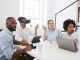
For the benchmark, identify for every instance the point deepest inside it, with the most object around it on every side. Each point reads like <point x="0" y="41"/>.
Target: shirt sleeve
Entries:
<point x="59" y="33"/>
<point x="7" y="46"/>
<point x="31" y="32"/>
<point x="17" y="36"/>
<point x="78" y="36"/>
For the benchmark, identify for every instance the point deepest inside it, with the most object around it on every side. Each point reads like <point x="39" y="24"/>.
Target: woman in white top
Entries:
<point x="69" y="26"/>
<point x="24" y="33"/>
<point x="52" y="32"/>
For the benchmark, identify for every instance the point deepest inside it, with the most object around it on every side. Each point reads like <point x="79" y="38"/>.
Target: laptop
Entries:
<point x="36" y="39"/>
<point x="67" y="44"/>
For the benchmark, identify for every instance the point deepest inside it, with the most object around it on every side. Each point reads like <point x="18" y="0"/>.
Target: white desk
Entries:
<point x="52" y="52"/>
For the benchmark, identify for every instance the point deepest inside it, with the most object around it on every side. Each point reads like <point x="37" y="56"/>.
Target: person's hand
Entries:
<point x="44" y="27"/>
<point x="24" y="42"/>
<point x="28" y="48"/>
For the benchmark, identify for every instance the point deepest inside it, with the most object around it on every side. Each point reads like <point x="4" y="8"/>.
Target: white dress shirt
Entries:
<point x="25" y="33"/>
<point x="6" y="44"/>
<point x="74" y="35"/>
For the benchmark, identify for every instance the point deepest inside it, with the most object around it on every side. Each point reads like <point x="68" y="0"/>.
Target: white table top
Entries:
<point x="47" y="51"/>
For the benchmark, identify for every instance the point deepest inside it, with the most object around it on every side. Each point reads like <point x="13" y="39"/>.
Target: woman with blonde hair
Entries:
<point x="52" y="32"/>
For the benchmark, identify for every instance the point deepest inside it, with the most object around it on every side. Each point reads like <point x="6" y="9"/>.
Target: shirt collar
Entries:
<point x="51" y="31"/>
<point x="71" y="34"/>
<point x="8" y="31"/>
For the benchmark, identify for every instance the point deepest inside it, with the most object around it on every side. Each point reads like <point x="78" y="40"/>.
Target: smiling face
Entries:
<point x="70" y="28"/>
<point x="23" y="24"/>
<point x="50" y="24"/>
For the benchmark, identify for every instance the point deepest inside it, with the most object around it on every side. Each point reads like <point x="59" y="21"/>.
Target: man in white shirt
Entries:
<point x="24" y="33"/>
<point x="7" y="41"/>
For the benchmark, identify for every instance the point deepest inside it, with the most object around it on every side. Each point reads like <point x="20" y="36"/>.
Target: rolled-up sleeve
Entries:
<point x="7" y="46"/>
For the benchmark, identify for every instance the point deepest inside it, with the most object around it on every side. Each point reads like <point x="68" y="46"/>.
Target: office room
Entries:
<point x="39" y="30"/>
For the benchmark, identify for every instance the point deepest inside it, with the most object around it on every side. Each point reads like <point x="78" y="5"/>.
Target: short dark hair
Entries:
<point x="9" y="18"/>
<point x="67" y="22"/>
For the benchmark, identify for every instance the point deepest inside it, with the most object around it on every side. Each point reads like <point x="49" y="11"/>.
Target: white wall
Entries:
<point x="11" y="8"/>
<point x="56" y="5"/>
<point x="8" y="8"/>
<point x="50" y="9"/>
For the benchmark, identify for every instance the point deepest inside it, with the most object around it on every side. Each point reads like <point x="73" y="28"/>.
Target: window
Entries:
<point x="33" y="10"/>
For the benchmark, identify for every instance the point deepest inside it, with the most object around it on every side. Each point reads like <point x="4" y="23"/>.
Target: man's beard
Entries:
<point x="11" y="29"/>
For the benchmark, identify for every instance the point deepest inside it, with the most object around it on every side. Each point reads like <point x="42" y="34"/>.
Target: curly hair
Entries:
<point x="67" y="22"/>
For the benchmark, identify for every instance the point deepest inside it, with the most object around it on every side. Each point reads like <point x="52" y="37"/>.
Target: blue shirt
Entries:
<point x="6" y="44"/>
<point x="52" y="35"/>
